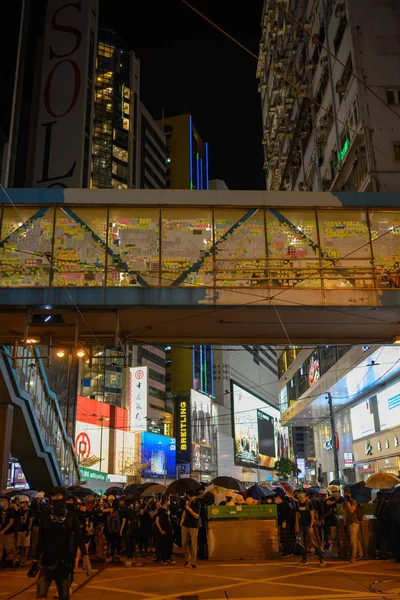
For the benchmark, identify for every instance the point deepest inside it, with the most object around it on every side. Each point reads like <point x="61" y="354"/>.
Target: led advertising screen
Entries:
<point x="389" y="406"/>
<point x="362" y="420"/>
<point x="159" y="452"/>
<point x="200" y="431"/>
<point x="256" y="430"/>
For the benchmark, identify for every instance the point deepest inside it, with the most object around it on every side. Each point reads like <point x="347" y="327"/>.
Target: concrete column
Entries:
<point x="6" y="425"/>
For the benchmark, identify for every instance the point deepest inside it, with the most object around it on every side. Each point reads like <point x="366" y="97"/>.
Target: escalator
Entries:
<point x="38" y="437"/>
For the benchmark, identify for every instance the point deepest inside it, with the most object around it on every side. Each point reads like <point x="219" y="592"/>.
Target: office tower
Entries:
<point x="128" y="146"/>
<point x="305" y="147"/>
<point x="187" y="154"/>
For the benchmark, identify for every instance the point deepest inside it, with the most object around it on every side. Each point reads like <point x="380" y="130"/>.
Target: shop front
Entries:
<point x="379" y="452"/>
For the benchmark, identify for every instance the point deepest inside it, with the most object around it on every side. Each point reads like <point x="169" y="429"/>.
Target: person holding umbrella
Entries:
<point x="190" y="528"/>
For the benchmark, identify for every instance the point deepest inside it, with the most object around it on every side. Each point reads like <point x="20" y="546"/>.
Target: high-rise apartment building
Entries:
<point x="187" y="154"/>
<point x="309" y="148"/>
<point x="128" y="146"/>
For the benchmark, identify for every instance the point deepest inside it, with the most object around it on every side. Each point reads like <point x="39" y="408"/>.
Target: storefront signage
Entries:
<point x="182" y="428"/>
<point x="69" y="39"/>
<point x="328" y="444"/>
<point x="348" y="458"/>
<point x="137" y="399"/>
<point x="380" y="446"/>
<point x="92" y="474"/>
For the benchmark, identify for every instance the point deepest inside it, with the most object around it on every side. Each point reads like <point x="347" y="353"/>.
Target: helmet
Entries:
<point x="23" y="499"/>
<point x="239" y="499"/>
<point x="229" y="494"/>
<point x="40" y="495"/>
<point x="110" y="498"/>
<point x="249" y="501"/>
<point x="334" y="488"/>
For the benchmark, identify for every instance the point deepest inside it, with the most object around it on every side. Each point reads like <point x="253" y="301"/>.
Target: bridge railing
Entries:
<point x="111" y="246"/>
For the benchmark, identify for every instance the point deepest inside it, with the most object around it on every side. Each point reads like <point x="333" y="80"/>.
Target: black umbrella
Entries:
<point x="114" y="490"/>
<point x="180" y="486"/>
<point x="230" y="483"/>
<point x="80" y="492"/>
<point x="360" y="492"/>
<point x="338" y="482"/>
<point x="257" y="492"/>
<point x="10" y="492"/>
<point x="132" y="489"/>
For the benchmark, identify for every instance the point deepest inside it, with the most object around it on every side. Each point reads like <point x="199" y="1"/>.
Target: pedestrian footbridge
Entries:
<point x="209" y="266"/>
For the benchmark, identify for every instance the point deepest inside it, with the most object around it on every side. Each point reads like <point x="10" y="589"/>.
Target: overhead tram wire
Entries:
<point x="292" y="84"/>
<point x="346" y="67"/>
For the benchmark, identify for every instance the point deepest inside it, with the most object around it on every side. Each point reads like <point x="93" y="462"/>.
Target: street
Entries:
<point x="272" y="580"/>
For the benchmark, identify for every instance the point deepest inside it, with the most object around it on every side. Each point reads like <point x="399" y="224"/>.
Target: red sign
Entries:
<point x="82" y="445"/>
<point x="139" y="374"/>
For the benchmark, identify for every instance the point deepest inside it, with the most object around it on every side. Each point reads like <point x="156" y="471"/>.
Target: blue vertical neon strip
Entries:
<point x="190" y="152"/>
<point x="212" y="371"/>
<point x="201" y="174"/>
<point x="206" y="165"/>
<point x="201" y="368"/>
<point x="197" y="172"/>
<point x="193" y="367"/>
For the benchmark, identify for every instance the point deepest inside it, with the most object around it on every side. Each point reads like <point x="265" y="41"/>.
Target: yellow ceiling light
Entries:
<point x="81" y="353"/>
<point x="60" y="353"/>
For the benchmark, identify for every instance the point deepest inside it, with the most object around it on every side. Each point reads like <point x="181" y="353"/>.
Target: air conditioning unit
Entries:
<point x="340" y="10"/>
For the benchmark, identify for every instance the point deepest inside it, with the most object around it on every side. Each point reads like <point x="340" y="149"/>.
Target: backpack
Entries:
<point x="114" y="524"/>
<point x="359" y="512"/>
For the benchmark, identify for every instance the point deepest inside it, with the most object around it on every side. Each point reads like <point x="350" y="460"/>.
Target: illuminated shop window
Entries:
<point x="120" y="153"/>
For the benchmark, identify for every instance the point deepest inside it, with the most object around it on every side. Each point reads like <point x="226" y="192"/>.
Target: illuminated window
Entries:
<point x="105" y="49"/>
<point x="126" y="123"/>
<point x="120" y="153"/>
<point x="127" y="93"/>
<point x="120" y="170"/>
<point x="126" y="108"/>
<point x="118" y="185"/>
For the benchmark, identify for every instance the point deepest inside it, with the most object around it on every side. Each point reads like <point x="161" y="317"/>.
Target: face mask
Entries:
<point x="59" y="506"/>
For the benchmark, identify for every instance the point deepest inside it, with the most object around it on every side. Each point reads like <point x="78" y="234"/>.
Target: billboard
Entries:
<point x="362" y="420"/>
<point x="389" y="406"/>
<point x="137" y="398"/>
<point x="66" y="88"/>
<point x="92" y="443"/>
<point x="200" y="431"/>
<point x="259" y="438"/>
<point x="159" y="452"/>
<point x="182" y="429"/>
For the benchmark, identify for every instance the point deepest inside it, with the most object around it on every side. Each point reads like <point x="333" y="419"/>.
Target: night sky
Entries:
<point x="189" y="67"/>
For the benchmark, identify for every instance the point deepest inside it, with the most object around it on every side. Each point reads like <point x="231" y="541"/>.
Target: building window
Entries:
<point x="393" y="96"/>
<point x="120" y="153"/>
<point x="339" y="34"/>
<point x="341" y="85"/>
<point x="396" y="149"/>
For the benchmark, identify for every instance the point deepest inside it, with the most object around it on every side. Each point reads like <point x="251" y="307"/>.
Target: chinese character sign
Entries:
<point x="137" y="399"/>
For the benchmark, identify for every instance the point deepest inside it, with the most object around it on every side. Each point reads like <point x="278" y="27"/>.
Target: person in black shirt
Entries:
<point x="132" y="534"/>
<point x="164" y="527"/>
<point x="59" y="533"/>
<point x="86" y="525"/>
<point x="305" y="523"/>
<point x="7" y="522"/>
<point x="190" y="528"/>
<point x="286" y="523"/>
<point x="145" y="526"/>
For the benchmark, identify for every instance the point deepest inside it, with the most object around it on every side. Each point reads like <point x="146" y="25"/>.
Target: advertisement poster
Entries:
<point x="258" y="434"/>
<point x="389" y="406"/>
<point x="183" y="471"/>
<point x="362" y="420"/>
<point x="201" y="431"/>
<point x="159" y="452"/>
<point x="137" y="398"/>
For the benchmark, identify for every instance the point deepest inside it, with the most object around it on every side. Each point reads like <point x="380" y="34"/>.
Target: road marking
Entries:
<point x="122" y="590"/>
<point x="317" y="587"/>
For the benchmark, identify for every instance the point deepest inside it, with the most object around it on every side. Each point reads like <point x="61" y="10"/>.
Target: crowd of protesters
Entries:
<point x="157" y="529"/>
